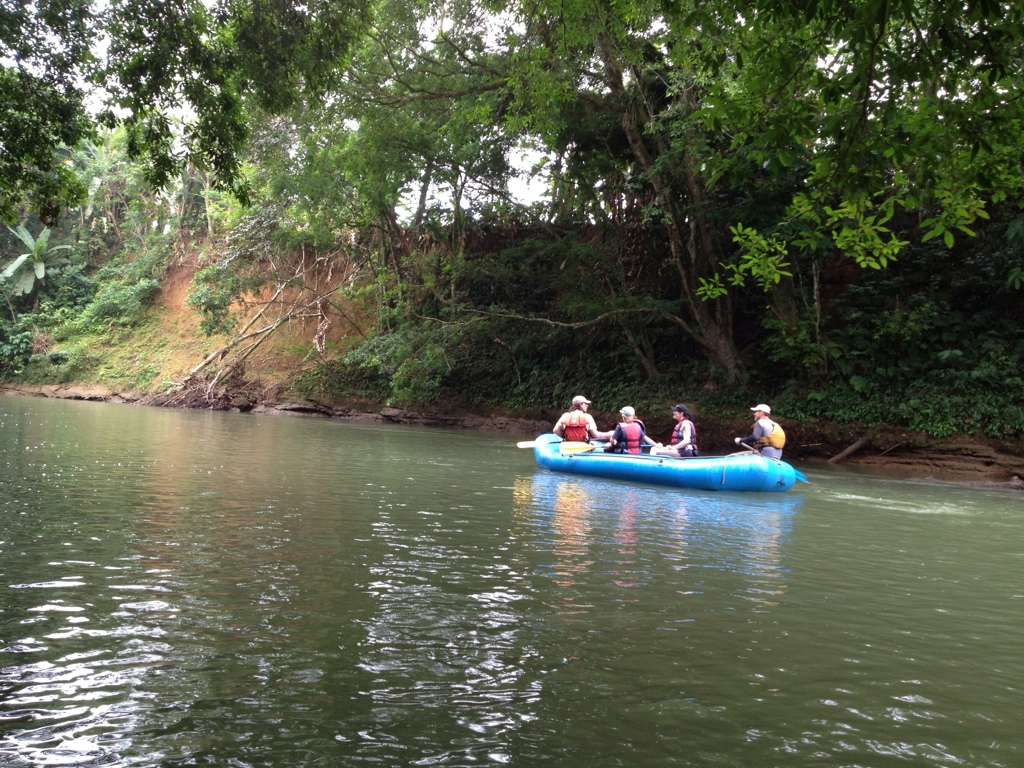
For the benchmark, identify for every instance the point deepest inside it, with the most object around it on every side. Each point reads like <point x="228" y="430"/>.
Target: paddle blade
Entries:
<point x="571" y="447"/>
<point x="526" y="444"/>
<point x="800" y="476"/>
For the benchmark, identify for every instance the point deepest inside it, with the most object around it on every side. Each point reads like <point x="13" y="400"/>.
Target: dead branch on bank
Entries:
<point x="864" y="440"/>
<point x="231" y="392"/>
<point x="225" y="387"/>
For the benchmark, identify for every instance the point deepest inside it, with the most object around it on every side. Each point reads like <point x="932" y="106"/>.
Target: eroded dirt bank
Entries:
<point x="881" y="450"/>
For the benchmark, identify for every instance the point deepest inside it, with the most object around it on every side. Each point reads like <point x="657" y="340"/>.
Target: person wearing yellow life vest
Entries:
<point x="768" y="437"/>
<point x="578" y="425"/>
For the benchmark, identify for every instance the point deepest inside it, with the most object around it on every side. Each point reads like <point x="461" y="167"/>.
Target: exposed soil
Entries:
<point x="887" y="451"/>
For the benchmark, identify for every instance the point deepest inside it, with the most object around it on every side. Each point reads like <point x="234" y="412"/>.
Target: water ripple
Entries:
<point x="198" y="589"/>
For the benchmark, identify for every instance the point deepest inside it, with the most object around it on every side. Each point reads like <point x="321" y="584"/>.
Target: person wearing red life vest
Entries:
<point x="578" y="425"/>
<point x="684" y="437"/>
<point x="629" y="434"/>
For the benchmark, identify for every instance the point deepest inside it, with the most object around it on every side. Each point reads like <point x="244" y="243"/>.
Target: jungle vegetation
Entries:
<point x="812" y="201"/>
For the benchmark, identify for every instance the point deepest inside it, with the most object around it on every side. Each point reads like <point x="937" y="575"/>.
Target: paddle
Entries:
<point x="573" y="447"/>
<point x="564" y="447"/>
<point x="567" y="447"/>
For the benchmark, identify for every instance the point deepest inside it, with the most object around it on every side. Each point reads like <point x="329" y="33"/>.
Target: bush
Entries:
<point x="121" y="302"/>
<point x="126" y="286"/>
<point x="16" y="341"/>
<point x="73" y="363"/>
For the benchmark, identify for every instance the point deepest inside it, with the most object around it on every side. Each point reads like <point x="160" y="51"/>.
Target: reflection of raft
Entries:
<point x="743" y="472"/>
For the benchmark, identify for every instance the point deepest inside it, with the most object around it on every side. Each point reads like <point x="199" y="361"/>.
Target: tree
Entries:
<point x="209" y="67"/>
<point x="853" y="115"/>
<point x="612" y="61"/>
<point x="44" y="51"/>
<point x="880" y="107"/>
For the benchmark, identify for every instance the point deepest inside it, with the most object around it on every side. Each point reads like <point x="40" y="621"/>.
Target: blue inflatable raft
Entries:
<point x="740" y="472"/>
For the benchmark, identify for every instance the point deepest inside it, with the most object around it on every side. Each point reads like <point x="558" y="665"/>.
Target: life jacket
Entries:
<point x="634" y="433"/>
<point x="776" y="438"/>
<point x="576" y="427"/>
<point x="677" y="434"/>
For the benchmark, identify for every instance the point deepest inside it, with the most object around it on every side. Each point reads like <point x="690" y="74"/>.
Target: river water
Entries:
<point x="192" y="588"/>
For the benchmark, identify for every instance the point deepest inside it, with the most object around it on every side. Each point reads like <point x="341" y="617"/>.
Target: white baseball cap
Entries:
<point x="762" y="407"/>
<point x="628" y="411"/>
<point x="580" y="399"/>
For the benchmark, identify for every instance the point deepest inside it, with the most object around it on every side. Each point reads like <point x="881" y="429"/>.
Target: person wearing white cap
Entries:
<point x="768" y="436"/>
<point x="578" y="425"/>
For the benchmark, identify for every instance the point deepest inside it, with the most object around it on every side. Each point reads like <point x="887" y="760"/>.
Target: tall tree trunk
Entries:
<point x="642" y="347"/>
<point x="692" y="241"/>
<point x="421" y="208"/>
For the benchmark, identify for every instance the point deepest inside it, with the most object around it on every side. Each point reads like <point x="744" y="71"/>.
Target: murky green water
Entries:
<point x="187" y="588"/>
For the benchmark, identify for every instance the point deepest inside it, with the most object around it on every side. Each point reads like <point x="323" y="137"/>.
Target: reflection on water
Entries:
<point x="636" y="528"/>
<point x="188" y="588"/>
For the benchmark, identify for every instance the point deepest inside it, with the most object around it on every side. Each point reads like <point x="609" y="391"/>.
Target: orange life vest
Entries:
<point x="575" y="427"/>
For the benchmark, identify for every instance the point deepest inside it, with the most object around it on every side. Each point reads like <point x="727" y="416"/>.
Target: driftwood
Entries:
<point x="864" y="440"/>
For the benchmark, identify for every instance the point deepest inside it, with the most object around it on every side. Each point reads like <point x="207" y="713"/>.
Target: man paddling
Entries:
<point x="768" y="437"/>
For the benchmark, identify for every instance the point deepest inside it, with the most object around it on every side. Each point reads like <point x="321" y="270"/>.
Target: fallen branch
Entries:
<point x="893" y="448"/>
<point x="227" y="383"/>
<point x="233" y="392"/>
<point x="864" y="440"/>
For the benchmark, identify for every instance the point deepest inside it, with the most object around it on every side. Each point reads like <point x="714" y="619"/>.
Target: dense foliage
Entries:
<point x="816" y="202"/>
<point x="163" y="63"/>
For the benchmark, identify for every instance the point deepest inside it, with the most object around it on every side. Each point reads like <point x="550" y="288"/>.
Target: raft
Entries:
<point x="738" y="472"/>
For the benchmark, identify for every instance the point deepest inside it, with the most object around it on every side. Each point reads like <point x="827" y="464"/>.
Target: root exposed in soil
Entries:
<point x="223" y="392"/>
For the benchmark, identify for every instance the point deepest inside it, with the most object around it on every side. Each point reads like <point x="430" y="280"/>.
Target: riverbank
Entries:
<point x="879" y="450"/>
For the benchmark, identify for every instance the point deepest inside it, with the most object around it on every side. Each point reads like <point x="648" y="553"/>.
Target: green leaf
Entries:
<point x="11" y="268"/>
<point x="25" y="283"/>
